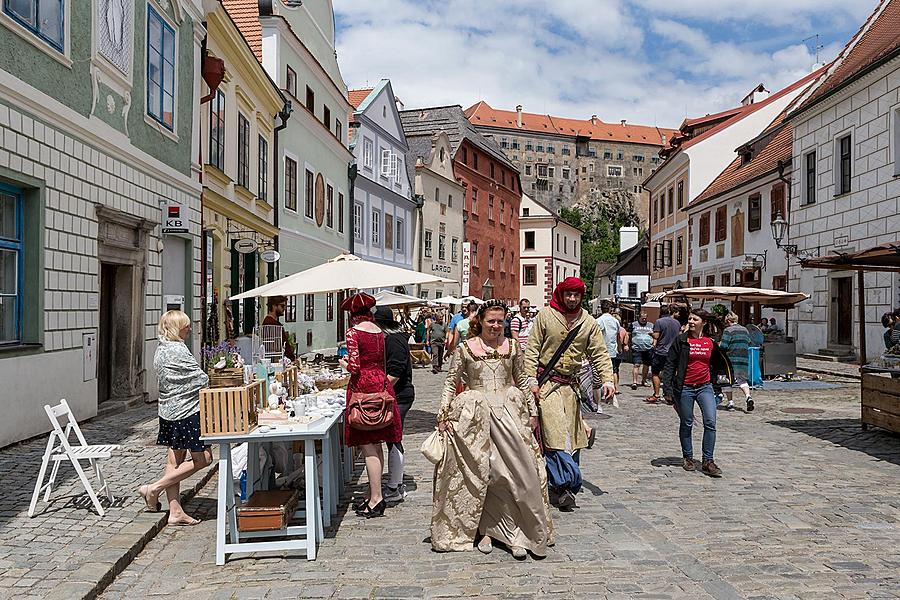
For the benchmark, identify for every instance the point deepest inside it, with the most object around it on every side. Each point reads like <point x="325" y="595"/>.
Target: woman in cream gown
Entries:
<point x="492" y="479"/>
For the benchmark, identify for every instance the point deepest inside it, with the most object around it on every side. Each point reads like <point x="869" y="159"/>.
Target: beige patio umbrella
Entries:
<point x="739" y="294"/>
<point x="386" y="298"/>
<point x="343" y="272"/>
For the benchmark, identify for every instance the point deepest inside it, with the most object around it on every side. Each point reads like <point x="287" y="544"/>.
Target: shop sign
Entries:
<point x="246" y="245"/>
<point x="466" y="267"/>
<point x="270" y="256"/>
<point x="440" y="268"/>
<point x="174" y="220"/>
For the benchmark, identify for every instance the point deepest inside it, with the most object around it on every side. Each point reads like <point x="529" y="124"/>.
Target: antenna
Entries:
<point x="817" y="46"/>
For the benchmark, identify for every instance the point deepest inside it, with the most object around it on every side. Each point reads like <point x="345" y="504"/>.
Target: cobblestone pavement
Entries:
<point x="66" y="550"/>
<point x="808" y="508"/>
<point x="849" y="370"/>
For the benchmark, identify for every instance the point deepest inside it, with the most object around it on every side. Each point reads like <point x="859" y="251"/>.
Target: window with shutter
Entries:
<point x="754" y="210"/>
<point x="667" y="253"/>
<point x="721" y="223"/>
<point x="385" y="163"/>
<point x="777" y="202"/>
<point x="704" y="229"/>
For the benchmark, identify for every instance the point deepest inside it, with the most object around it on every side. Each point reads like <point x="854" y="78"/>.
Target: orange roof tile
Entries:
<point x="876" y="40"/>
<point x="357" y="96"/>
<point x="245" y="14"/>
<point x="482" y="114"/>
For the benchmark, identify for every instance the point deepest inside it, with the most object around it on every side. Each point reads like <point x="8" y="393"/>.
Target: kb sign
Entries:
<point x="174" y="220"/>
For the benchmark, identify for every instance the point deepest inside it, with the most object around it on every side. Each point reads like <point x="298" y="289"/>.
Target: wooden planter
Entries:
<point x="289" y="378"/>
<point x="220" y="378"/>
<point x="231" y="410"/>
<point x="880" y="395"/>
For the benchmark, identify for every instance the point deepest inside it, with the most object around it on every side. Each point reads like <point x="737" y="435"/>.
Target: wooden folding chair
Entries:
<point x="59" y="449"/>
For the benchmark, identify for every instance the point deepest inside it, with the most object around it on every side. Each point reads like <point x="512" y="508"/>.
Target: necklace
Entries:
<point x="488" y="351"/>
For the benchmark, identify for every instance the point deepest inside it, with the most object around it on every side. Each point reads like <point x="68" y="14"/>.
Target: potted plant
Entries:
<point x="224" y="365"/>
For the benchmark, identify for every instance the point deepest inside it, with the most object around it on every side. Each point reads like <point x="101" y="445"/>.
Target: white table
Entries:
<point x="317" y="512"/>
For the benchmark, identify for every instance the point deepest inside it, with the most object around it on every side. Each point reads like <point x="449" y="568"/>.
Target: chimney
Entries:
<point x="663" y="139"/>
<point x="623" y="122"/>
<point x="519" y="116"/>
<point x="399" y="103"/>
<point x="628" y="238"/>
<point x="593" y="119"/>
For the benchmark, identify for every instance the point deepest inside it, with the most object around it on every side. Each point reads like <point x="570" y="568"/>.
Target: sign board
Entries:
<point x="246" y="245"/>
<point x="440" y="269"/>
<point x="749" y="265"/>
<point x="89" y="355"/>
<point x="466" y="267"/>
<point x="174" y="218"/>
<point x="270" y="256"/>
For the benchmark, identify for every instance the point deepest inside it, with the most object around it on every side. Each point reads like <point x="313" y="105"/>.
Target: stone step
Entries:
<point x="843" y="358"/>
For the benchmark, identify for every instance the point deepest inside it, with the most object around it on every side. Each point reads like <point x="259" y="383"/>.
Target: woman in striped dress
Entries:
<point x="735" y="342"/>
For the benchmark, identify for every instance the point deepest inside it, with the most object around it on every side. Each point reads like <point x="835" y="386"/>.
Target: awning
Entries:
<point x="739" y="294"/>
<point x="885" y="257"/>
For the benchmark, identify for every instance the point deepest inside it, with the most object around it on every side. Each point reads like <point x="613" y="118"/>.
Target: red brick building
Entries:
<point x="493" y="192"/>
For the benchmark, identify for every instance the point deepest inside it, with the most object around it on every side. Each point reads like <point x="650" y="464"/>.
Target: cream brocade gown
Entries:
<point x="492" y="478"/>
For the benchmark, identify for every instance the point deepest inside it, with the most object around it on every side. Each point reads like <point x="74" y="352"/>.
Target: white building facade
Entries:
<point x="549" y="251"/>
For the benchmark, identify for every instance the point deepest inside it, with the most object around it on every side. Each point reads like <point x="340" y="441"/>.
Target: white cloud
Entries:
<point x="640" y="61"/>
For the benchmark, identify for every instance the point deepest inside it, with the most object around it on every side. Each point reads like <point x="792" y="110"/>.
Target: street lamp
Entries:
<point x="779" y="229"/>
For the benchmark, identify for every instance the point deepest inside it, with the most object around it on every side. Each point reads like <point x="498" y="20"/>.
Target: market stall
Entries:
<point x="880" y="381"/>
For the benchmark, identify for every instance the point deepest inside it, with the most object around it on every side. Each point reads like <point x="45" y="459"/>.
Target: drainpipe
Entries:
<point x="284" y="114"/>
<point x="351" y="174"/>
<point x="419" y="199"/>
<point x="787" y="269"/>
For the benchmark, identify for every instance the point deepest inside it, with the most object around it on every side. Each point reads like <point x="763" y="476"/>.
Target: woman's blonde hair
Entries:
<point x="171" y="323"/>
<point x="731" y="318"/>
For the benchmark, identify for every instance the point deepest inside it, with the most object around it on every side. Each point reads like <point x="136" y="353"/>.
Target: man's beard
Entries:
<point x="571" y="306"/>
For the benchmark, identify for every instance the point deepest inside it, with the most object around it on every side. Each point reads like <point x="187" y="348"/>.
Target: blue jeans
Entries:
<point x="704" y="396"/>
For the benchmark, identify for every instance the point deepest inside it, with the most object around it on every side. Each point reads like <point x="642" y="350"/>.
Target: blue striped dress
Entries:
<point x="735" y="342"/>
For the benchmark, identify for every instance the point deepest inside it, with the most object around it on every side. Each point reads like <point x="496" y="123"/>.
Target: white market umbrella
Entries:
<point x="343" y="272"/>
<point x="739" y="294"/>
<point x="386" y="298"/>
<point x="447" y="300"/>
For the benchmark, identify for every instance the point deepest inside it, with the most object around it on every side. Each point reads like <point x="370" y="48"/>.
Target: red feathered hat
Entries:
<point x="358" y="304"/>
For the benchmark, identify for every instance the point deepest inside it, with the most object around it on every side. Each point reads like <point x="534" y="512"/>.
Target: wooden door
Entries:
<point x="841" y="320"/>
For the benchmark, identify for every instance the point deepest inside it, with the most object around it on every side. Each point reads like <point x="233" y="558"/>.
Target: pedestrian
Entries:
<point x="610" y="327"/>
<point x="491" y="481"/>
<point x="276" y="306"/>
<point x="695" y="362"/>
<point x="563" y="430"/>
<point x="887" y="321"/>
<point x="451" y="327"/>
<point x="366" y="364"/>
<point x="437" y="336"/>
<point x="641" y="349"/>
<point x="420" y="328"/>
<point x="461" y="331"/>
<point x="398" y="366"/>
<point x="624" y="341"/>
<point x="895" y="333"/>
<point x="773" y="327"/>
<point x="180" y="380"/>
<point x="520" y="325"/>
<point x="665" y="330"/>
<point x="736" y="343"/>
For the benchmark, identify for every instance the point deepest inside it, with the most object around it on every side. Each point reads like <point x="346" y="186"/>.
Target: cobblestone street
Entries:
<point x="808" y="508"/>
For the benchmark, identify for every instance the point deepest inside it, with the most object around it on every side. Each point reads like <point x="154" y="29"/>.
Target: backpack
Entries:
<point x="507" y="329"/>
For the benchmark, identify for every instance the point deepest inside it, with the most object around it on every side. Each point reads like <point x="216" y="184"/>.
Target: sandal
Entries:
<point x="651" y="399"/>
<point x="372" y="511"/>
<point x="144" y="491"/>
<point x="485" y="548"/>
<point x="592" y="436"/>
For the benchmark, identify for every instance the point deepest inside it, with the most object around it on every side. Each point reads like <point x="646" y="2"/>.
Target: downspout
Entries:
<point x="284" y="115"/>
<point x="787" y="269"/>
<point x="351" y="175"/>
<point x="419" y="199"/>
<point x="552" y="259"/>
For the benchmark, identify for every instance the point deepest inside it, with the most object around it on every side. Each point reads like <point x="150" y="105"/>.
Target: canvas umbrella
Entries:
<point x="343" y="272"/>
<point x="739" y="294"/>
<point x="386" y="298"/>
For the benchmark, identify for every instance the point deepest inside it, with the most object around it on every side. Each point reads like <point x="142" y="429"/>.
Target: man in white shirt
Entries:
<point x="610" y="326"/>
<point x="520" y="325"/>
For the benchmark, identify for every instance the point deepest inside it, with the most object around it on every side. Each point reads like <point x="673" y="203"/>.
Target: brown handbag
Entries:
<point x="370" y="411"/>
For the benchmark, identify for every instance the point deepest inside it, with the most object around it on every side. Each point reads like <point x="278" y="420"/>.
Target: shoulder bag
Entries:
<point x="371" y="411"/>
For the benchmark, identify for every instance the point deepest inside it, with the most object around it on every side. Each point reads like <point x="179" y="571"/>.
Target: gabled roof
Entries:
<point x="627" y="256"/>
<point x="245" y="14"/>
<point x="482" y="114"/>
<point x="876" y="41"/>
<point x="452" y="119"/>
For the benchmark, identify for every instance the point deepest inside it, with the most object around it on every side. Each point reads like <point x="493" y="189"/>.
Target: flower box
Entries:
<point x="219" y="378"/>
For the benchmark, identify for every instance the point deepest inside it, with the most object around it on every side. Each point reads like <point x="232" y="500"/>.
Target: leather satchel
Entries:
<point x="370" y="411"/>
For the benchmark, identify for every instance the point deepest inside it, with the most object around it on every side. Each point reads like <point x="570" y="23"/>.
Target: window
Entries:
<point x="542" y="171"/>
<point x="529" y="240"/>
<point x="637" y="158"/>
<point x="776" y="200"/>
<point x="329" y="307"/>
<point x="671" y="201"/>
<point x="679" y="250"/>
<point x="528" y="169"/>
<point x="309" y="307"/>
<point x="620" y="155"/>
<point x="11" y="266"/>
<point x="450" y="200"/>
<point x="809" y="179"/>
<point x="551" y="149"/>
<point x="632" y="290"/>
<point x="504" y="143"/>
<point x="243" y="158"/>
<point x="340" y="212"/>
<point x="525" y="211"/>
<point x="680" y="194"/>
<point x="475" y="254"/>
<point x="754" y="212"/>
<point x="529" y="274"/>
<point x="329" y="206"/>
<point x="565" y="173"/>
<point x="160" y="61"/>
<point x="217" y="131"/>
<point x="290" y="184"/>
<point x="357" y="220"/>
<point x="368" y="151"/>
<point x="550" y="171"/>
<point x="704" y="229"/>
<point x="503" y="212"/>
<point x="428" y="240"/>
<point x="474" y="201"/>
<point x="613" y="171"/>
<point x="290" y="310"/>
<point x="695" y="281"/>
<point x="667" y="253"/>
<point x="262" y="191"/>
<point x="475" y="160"/>
<point x="290" y="81"/>
<point x="310" y="193"/>
<point x="540" y="146"/>
<point x="565" y="151"/>
<point x="503" y="260"/>
<point x="442" y="247"/>
<point x="310" y="100"/>
<point x="376" y="227"/>
<point x="338" y="130"/>
<point x="779" y="282"/>
<point x="657" y="256"/>
<point x="490" y="258"/>
<point x="721" y="223"/>
<point x="388" y="232"/>
<point x="529" y="145"/>
<point x="454" y="250"/>
<point x="490" y="207"/>
<point x="842" y="177"/>
<point x="385" y="163"/>
<point x="607" y="155"/>
<point x="725" y="278"/>
<point x="42" y="18"/>
<point x="326" y="117"/>
<point x="515" y="144"/>
<point x="400" y="237"/>
<point x="492" y="170"/>
<point x="465" y="156"/>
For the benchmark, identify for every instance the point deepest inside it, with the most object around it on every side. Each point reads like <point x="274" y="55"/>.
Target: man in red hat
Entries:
<point x="562" y="428"/>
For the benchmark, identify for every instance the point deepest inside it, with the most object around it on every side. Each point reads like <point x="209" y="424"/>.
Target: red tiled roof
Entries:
<point x="357" y="96"/>
<point x="778" y="148"/>
<point x="245" y="14"/>
<point x="725" y="114"/>
<point x="876" y="39"/>
<point x="482" y="114"/>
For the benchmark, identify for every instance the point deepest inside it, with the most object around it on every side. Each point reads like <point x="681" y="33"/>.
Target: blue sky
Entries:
<point x="651" y="62"/>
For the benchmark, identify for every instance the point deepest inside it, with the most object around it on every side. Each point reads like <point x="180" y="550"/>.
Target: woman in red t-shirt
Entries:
<point x="695" y="362"/>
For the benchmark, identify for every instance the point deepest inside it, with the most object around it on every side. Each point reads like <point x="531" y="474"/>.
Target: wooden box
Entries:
<point x="288" y="377"/>
<point x="230" y="410"/>
<point x="880" y="395"/>
<point x="269" y="510"/>
<point x="219" y="378"/>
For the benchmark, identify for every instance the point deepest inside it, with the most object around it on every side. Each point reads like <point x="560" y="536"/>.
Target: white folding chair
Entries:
<point x="73" y="453"/>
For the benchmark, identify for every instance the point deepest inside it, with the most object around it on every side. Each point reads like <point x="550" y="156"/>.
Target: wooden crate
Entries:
<point x="268" y="510"/>
<point x="232" y="409"/>
<point x="289" y="375"/>
<point x="219" y="378"/>
<point x="880" y="397"/>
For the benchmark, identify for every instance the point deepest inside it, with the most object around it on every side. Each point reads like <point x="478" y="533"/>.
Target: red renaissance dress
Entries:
<point x="366" y="366"/>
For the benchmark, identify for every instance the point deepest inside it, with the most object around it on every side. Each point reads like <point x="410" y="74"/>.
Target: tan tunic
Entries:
<point x="492" y="478"/>
<point x="561" y="423"/>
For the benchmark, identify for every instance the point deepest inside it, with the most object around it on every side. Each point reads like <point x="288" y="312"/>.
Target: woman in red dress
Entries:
<point x="365" y="362"/>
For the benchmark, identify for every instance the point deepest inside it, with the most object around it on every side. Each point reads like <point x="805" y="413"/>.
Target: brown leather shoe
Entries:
<point x="709" y="468"/>
<point x="688" y="464"/>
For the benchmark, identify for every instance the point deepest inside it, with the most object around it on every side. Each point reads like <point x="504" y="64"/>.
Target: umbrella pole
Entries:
<point x="861" y="292"/>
